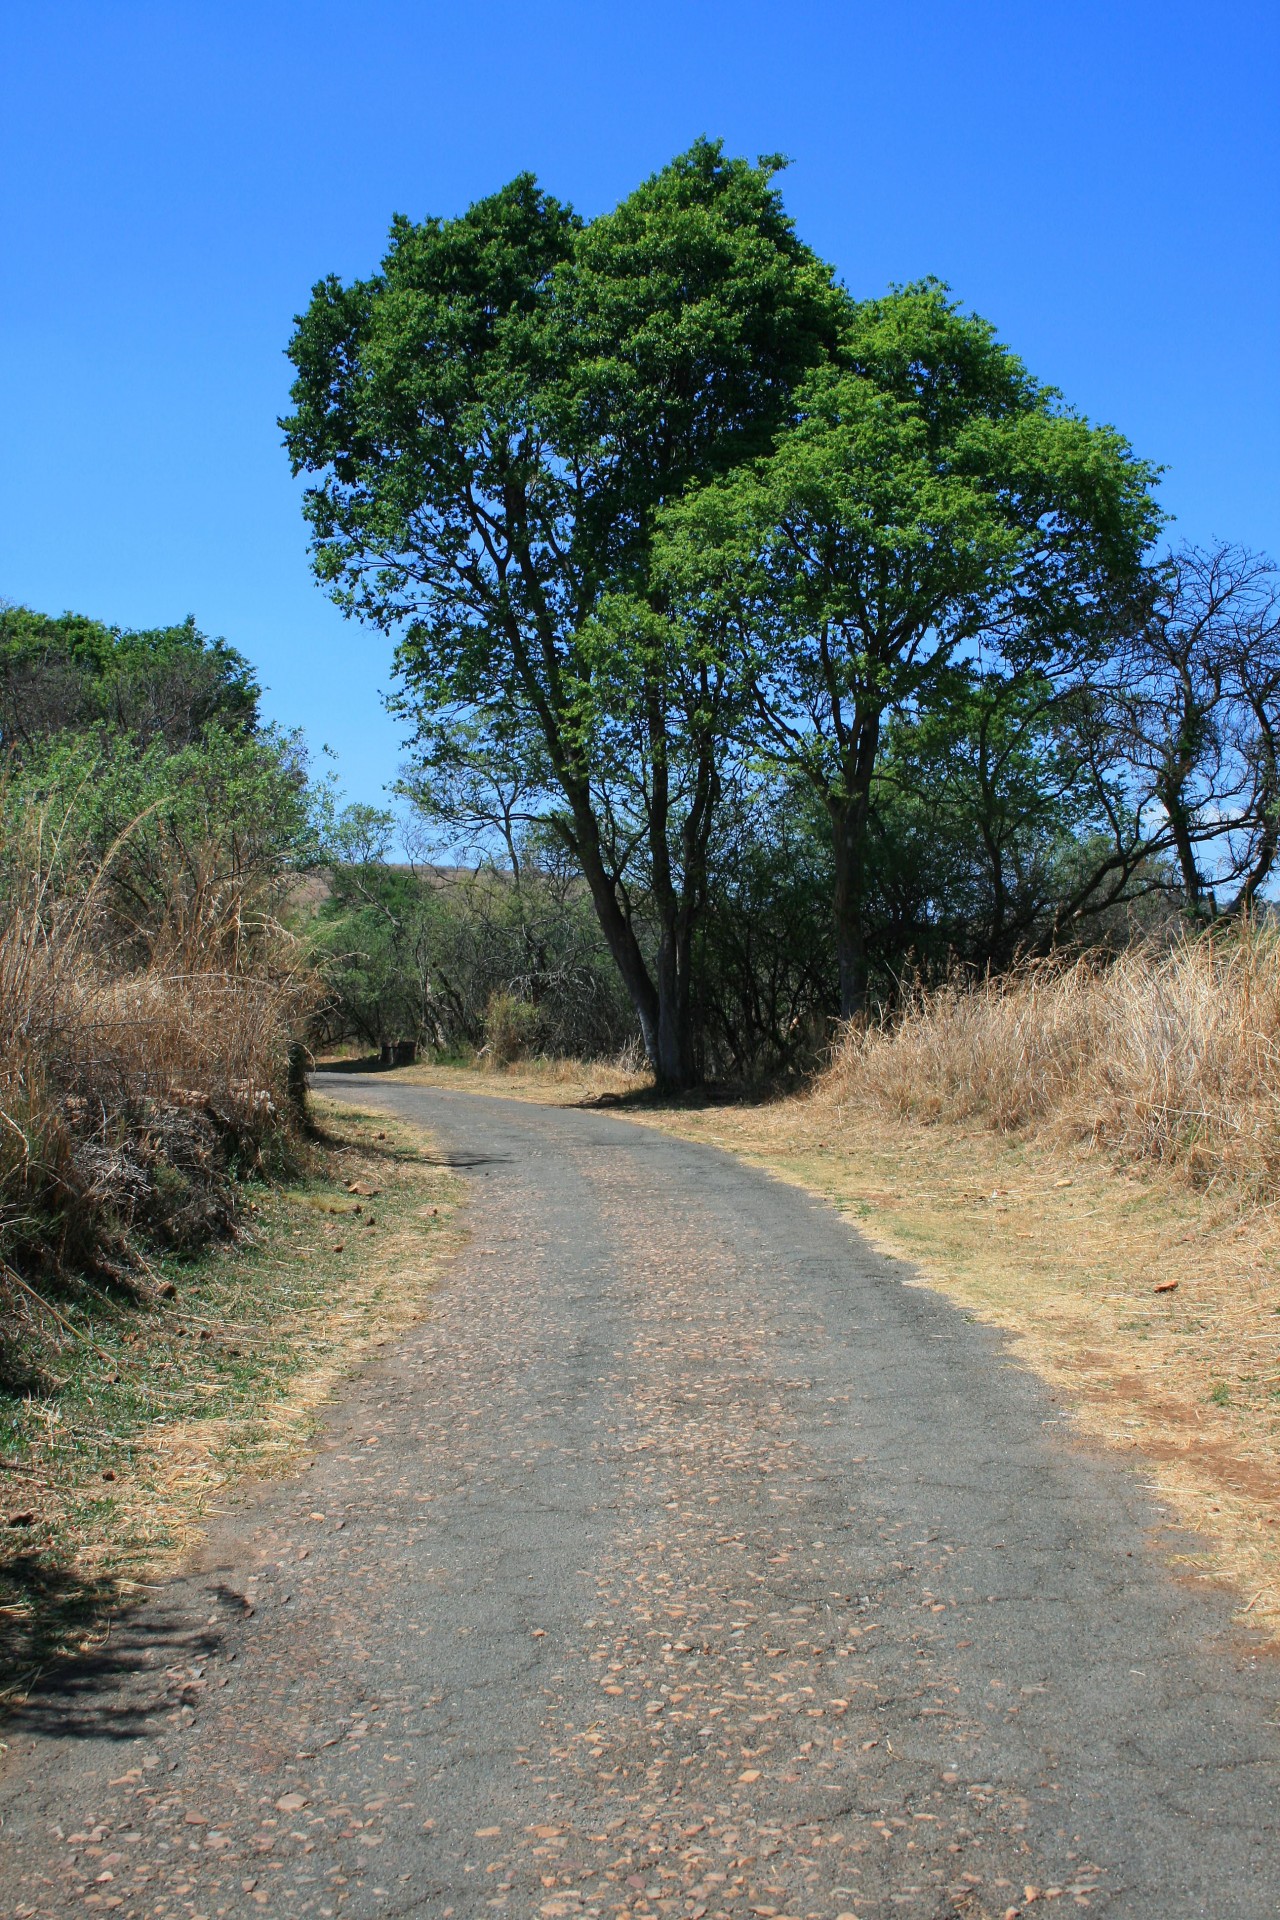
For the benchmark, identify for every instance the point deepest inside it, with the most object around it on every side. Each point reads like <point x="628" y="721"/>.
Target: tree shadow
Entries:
<point x="406" y="1156"/>
<point x="130" y="1676"/>
<point x="367" y="1063"/>
<point x="694" y="1100"/>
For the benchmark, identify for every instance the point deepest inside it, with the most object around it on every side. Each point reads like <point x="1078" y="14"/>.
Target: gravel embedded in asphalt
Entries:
<point x="688" y="1560"/>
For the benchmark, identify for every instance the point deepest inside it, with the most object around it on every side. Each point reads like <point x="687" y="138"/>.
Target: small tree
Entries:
<point x="1189" y="720"/>
<point x="930" y="506"/>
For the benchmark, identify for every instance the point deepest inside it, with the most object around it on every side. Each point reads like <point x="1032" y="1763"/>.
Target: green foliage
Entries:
<point x="495" y="418"/>
<point x="460" y="959"/>
<point x="766" y="958"/>
<point x="72" y="672"/>
<point x="930" y="511"/>
<point x="155" y="828"/>
<point x="370" y="943"/>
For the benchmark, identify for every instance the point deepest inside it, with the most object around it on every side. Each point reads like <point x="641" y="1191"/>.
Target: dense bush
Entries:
<point x="458" y="959"/>
<point x="71" y="673"/>
<point x="148" y="994"/>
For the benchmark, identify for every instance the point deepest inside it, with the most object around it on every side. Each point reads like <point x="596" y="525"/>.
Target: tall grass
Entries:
<point x="139" y="1077"/>
<point x="1158" y="1055"/>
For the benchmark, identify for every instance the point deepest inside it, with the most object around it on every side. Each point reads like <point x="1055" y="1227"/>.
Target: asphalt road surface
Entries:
<point x="688" y="1561"/>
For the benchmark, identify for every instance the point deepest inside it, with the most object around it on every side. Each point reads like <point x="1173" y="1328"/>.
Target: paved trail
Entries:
<point x="687" y="1562"/>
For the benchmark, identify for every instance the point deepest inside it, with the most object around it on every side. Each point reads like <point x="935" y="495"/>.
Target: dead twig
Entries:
<point x="49" y="1308"/>
<point x="28" y="1473"/>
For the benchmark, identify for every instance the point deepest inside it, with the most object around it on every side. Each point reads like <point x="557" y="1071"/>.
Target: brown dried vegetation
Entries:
<point x="140" y="1079"/>
<point x="1167" y="1056"/>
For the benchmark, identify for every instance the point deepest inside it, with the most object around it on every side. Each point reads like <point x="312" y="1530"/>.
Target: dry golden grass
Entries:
<point x="136" y="1068"/>
<point x="1158" y="1056"/>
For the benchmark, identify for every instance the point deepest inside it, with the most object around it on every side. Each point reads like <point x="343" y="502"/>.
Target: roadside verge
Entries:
<point x="108" y="1481"/>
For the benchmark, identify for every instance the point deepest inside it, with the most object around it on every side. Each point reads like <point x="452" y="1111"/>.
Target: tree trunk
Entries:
<point x="850" y="813"/>
<point x="851" y="945"/>
<point x="1184" y="846"/>
<point x="663" y="1006"/>
<point x="675" y="1067"/>
<point x="618" y="933"/>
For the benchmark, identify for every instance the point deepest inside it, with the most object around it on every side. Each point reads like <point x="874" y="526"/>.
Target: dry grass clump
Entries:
<point x="1166" y="1055"/>
<point x="141" y="1070"/>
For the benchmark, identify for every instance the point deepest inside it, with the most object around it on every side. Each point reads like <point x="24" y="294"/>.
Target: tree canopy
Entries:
<point x="161" y="682"/>
<point x="931" y="519"/>
<point x="496" y="417"/>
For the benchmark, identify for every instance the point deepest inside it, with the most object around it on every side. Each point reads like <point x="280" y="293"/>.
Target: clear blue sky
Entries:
<point x="1098" y="177"/>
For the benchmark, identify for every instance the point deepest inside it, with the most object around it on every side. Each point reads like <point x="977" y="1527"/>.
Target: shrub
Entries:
<point x="132" y="1096"/>
<point x="1169" y="1055"/>
<point x="510" y="1026"/>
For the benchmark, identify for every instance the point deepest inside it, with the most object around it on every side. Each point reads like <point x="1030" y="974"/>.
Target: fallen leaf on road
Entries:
<point x="752" y="1773"/>
<point x="288" y="1803"/>
<point x="539" y="1633"/>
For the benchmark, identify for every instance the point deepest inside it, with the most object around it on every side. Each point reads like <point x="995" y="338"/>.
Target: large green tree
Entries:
<point x="494" y="419"/>
<point x="930" y="507"/>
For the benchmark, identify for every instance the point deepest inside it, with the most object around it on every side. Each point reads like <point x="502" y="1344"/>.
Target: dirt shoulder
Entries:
<point x="1153" y="1310"/>
<point x="108" y="1482"/>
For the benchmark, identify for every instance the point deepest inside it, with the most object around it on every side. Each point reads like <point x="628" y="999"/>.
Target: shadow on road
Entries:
<point x="141" y="1670"/>
<point x="384" y="1150"/>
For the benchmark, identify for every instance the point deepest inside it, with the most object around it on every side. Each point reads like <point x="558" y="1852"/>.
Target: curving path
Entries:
<point x="689" y="1562"/>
